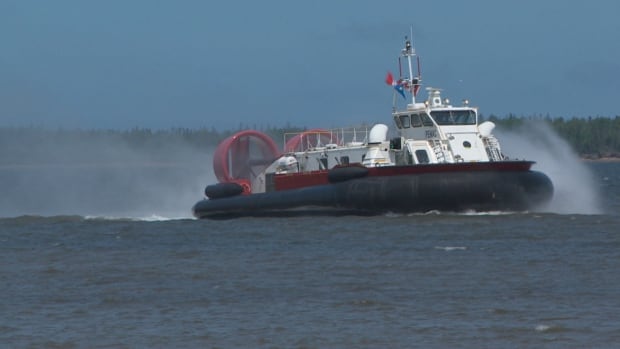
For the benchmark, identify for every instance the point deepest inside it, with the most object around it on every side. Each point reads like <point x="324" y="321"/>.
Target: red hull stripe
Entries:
<point x="308" y="179"/>
<point x="300" y="180"/>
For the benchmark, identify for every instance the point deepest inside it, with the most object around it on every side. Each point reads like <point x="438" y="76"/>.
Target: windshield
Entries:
<point x="454" y="117"/>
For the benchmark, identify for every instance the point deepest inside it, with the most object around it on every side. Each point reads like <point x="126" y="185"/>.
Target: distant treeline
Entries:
<point x="590" y="137"/>
<point x="13" y="137"/>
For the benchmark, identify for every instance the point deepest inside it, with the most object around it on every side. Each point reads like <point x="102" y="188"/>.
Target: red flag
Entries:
<point x="389" y="79"/>
<point x="398" y="85"/>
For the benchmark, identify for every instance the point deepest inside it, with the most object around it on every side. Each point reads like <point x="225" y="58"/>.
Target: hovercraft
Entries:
<point x="441" y="159"/>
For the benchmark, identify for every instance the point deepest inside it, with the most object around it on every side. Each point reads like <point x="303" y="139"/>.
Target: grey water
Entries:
<point x="85" y="276"/>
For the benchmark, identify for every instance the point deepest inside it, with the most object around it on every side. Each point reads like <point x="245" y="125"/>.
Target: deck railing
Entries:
<point x="321" y="138"/>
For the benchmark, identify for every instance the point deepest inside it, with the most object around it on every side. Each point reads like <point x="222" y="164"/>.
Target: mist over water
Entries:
<point x="575" y="188"/>
<point x="102" y="177"/>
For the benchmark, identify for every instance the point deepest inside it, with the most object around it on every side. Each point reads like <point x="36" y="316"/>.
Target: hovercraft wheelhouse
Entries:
<point x="437" y="132"/>
<point x="442" y="159"/>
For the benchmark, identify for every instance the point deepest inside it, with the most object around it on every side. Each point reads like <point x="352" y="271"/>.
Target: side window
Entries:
<point x="404" y="120"/>
<point x="422" y="156"/>
<point x="415" y="120"/>
<point x="397" y="122"/>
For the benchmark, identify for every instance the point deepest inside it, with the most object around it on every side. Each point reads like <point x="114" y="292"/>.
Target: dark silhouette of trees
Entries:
<point x="593" y="137"/>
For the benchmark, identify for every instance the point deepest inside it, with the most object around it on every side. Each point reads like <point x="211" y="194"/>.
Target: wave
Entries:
<point x="23" y="219"/>
<point x="451" y="248"/>
<point x="550" y="328"/>
<point x="452" y="213"/>
<point x="155" y="217"/>
<point x="535" y="214"/>
<point x="147" y="218"/>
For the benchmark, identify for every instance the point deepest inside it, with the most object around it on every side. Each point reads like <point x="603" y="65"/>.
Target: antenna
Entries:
<point x="408" y="52"/>
<point x="415" y="81"/>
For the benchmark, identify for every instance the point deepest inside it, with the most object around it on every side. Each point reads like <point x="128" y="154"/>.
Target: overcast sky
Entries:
<point x="161" y="64"/>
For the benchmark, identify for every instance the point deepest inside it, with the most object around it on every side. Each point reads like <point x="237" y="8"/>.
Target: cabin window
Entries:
<point x="422" y="156"/>
<point x="466" y="144"/>
<point x="404" y="121"/>
<point x="426" y="121"/>
<point x="454" y="117"/>
<point x="464" y="117"/>
<point x="415" y="120"/>
<point x="344" y="160"/>
<point x="442" y="117"/>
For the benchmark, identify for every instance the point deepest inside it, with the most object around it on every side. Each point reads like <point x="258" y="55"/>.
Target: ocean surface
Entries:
<point x="85" y="275"/>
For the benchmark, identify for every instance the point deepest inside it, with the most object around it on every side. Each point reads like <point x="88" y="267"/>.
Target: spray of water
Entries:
<point x="100" y="177"/>
<point x="575" y="190"/>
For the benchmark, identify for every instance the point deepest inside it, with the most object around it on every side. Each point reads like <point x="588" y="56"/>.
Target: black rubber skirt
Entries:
<point x="447" y="191"/>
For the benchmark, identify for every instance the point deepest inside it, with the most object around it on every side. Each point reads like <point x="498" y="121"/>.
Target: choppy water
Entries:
<point x="491" y="280"/>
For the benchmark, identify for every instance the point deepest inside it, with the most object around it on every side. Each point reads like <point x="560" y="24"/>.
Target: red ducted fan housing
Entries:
<point x="242" y="156"/>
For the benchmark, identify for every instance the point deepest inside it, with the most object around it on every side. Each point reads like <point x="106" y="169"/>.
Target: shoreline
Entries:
<point x="600" y="159"/>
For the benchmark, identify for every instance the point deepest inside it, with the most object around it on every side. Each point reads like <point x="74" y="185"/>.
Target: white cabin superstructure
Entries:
<point x="437" y="132"/>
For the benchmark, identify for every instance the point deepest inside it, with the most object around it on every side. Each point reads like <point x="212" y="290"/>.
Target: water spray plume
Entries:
<point x="101" y="176"/>
<point x="575" y="191"/>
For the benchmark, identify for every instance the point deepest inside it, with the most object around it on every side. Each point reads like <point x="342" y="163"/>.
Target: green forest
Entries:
<point x="592" y="138"/>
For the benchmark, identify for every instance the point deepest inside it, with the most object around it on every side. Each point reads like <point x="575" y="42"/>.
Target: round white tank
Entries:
<point x="378" y="134"/>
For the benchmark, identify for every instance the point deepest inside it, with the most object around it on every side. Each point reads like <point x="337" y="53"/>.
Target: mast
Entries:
<point x="411" y="82"/>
